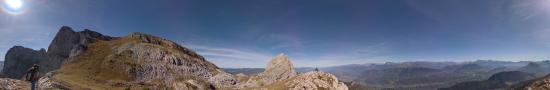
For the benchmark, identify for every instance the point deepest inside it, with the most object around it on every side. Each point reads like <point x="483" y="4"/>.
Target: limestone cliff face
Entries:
<point x="68" y="42"/>
<point x="18" y="58"/>
<point x="65" y="44"/>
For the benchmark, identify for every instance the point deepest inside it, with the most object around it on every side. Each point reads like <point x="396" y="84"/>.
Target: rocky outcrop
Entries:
<point x="65" y="44"/>
<point x="316" y="80"/>
<point x="18" y="58"/>
<point x="47" y="83"/>
<point x="279" y="68"/>
<point x="13" y="84"/>
<point x="280" y="75"/>
<point x="165" y="59"/>
<point x="68" y="43"/>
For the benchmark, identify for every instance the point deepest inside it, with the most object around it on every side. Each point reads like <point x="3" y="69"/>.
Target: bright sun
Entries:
<point x="14" y="4"/>
<point x="14" y="7"/>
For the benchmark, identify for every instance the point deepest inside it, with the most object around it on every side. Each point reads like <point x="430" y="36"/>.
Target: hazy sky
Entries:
<point x="247" y="33"/>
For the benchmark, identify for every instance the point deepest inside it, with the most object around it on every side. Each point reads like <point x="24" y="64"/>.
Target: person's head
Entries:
<point x="35" y="65"/>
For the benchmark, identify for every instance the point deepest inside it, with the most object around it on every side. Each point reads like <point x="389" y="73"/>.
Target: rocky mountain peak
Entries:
<point x="279" y="68"/>
<point x="281" y="61"/>
<point x="67" y="42"/>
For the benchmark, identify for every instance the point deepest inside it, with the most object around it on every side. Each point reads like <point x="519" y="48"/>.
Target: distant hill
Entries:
<point x="496" y="81"/>
<point x="538" y="68"/>
<point x="252" y="71"/>
<point x="246" y="71"/>
<point x="541" y="83"/>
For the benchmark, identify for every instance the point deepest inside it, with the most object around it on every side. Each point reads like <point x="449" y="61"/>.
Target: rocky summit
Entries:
<point x="279" y="68"/>
<point x="90" y="60"/>
<point x="280" y="75"/>
<point x="66" y="43"/>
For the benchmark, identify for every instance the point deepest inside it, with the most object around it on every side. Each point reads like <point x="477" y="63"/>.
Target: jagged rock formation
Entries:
<point x="13" y="84"/>
<point x="280" y="75"/>
<point x="19" y="59"/>
<point x="66" y="43"/>
<point x="279" y="68"/>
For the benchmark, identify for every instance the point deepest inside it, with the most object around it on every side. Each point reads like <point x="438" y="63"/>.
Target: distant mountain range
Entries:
<point x="497" y="81"/>
<point x="423" y="75"/>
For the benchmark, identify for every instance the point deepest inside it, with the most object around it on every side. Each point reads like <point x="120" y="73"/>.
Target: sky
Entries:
<point x="313" y="33"/>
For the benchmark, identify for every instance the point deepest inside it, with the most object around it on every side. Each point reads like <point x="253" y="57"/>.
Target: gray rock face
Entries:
<point x="279" y="68"/>
<point x="140" y="61"/>
<point x="19" y="59"/>
<point x="166" y="60"/>
<point x="1" y="65"/>
<point x="69" y="43"/>
<point x="280" y="75"/>
<point x="65" y="44"/>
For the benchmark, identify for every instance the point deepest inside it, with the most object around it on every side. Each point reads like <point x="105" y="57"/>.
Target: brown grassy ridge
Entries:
<point x="98" y="68"/>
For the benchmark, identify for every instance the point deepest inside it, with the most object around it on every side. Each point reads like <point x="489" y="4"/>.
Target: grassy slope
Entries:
<point x="97" y="68"/>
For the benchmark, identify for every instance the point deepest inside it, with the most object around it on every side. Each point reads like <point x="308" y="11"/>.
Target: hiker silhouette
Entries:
<point x="32" y="75"/>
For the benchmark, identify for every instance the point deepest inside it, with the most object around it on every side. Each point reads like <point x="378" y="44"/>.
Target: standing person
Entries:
<point x="32" y="75"/>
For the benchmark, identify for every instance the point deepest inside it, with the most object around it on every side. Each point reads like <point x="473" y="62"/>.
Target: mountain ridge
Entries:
<point x="90" y="60"/>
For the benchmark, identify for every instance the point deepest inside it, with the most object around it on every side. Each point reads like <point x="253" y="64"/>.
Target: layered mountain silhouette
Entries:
<point x="497" y="81"/>
<point x="542" y="83"/>
<point x="90" y="60"/>
<point x="423" y="75"/>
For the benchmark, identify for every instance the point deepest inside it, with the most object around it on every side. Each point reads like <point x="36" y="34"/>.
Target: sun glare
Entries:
<point x="13" y="6"/>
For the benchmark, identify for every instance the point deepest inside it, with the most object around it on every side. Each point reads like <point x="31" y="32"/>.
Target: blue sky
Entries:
<point x="247" y="33"/>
